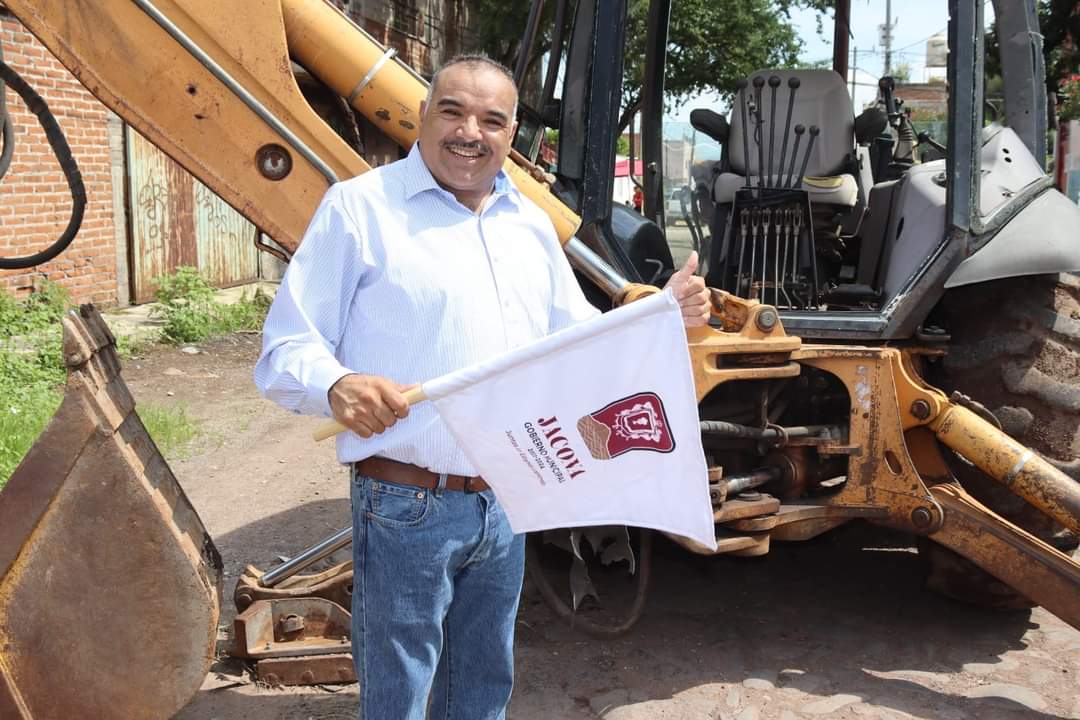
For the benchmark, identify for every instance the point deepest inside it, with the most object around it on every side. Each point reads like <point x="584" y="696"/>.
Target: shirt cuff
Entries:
<point x="323" y="376"/>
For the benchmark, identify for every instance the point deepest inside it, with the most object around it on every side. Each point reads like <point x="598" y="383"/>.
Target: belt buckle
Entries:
<point x="468" y="486"/>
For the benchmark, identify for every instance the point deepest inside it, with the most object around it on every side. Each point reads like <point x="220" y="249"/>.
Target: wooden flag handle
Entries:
<point x="330" y="428"/>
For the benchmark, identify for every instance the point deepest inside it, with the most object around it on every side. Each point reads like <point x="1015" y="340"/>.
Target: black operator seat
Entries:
<point x="821" y="100"/>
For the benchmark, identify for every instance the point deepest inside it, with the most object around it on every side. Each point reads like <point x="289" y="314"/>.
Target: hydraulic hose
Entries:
<point x="62" y="150"/>
<point x="7" y="130"/>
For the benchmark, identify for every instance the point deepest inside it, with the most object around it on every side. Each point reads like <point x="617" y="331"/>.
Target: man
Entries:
<point x="408" y="272"/>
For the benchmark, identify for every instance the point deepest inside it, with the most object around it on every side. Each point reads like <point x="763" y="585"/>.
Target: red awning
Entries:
<point x="622" y="168"/>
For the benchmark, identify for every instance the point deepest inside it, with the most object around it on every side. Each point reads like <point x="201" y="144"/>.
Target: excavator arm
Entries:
<point x="94" y="508"/>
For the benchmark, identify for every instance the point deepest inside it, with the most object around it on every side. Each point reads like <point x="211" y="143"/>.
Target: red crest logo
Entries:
<point x="637" y="422"/>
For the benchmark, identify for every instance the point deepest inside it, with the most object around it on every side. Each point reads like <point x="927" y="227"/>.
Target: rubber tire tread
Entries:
<point x="1015" y="348"/>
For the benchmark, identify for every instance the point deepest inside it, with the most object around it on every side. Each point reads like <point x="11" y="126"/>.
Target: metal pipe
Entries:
<point x="595" y="268"/>
<point x="720" y="428"/>
<point x="555" y="57"/>
<point x="237" y="89"/>
<point x="734" y="484"/>
<point x="310" y="556"/>
<point x="532" y="25"/>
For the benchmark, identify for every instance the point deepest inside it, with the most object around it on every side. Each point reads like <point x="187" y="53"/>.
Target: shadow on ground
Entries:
<point x="843" y="615"/>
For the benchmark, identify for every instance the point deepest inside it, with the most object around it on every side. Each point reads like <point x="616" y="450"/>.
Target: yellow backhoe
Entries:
<point x="110" y="586"/>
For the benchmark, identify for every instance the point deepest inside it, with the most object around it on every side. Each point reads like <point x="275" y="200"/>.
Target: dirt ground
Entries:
<point x="838" y="627"/>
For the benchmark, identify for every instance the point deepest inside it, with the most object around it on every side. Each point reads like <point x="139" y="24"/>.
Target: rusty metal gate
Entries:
<point x="175" y="221"/>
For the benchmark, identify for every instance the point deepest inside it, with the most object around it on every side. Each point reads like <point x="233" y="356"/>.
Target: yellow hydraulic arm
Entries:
<point x="210" y="82"/>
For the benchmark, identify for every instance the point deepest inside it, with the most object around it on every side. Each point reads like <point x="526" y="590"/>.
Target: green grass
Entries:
<point x="21" y="421"/>
<point x="31" y="370"/>
<point x="170" y="427"/>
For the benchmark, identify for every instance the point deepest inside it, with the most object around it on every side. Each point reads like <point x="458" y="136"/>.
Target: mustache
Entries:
<point x="483" y="148"/>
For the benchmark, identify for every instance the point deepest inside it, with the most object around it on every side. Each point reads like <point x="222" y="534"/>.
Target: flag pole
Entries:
<point x="330" y="428"/>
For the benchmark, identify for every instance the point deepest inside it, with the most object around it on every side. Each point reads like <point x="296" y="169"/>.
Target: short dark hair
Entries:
<point x="476" y="60"/>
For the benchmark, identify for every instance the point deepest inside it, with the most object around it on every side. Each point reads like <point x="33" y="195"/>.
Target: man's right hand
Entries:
<point x="367" y="404"/>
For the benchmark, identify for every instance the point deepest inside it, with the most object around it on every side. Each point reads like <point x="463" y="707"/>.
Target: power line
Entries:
<point x="917" y="42"/>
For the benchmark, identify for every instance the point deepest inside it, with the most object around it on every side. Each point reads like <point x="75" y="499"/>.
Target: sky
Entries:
<point x="914" y="22"/>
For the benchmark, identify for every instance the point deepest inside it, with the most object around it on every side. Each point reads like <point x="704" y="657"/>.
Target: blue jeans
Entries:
<point x="435" y="594"/>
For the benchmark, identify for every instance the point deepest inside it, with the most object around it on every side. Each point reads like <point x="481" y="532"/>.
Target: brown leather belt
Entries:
<point x="393" y="471"/>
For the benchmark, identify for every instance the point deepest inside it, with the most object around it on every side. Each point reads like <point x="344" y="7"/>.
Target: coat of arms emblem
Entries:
<point x="637" y="422"/>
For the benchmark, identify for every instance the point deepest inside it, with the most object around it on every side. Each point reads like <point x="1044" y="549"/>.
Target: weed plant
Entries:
<point x="190" y="314"/>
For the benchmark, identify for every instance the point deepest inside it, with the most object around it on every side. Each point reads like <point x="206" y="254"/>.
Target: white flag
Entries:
<point x="594" y="425"/>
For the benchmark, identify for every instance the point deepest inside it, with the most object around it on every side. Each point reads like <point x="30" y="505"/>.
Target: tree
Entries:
<point x="1059" y="23"/>
<point x="711" y="43"/>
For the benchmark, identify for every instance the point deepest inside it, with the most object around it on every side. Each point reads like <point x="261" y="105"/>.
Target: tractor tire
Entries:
<point x="1015" y="349"/>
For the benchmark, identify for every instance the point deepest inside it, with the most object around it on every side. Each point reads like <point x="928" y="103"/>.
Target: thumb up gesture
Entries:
<point x="691" y="293"/>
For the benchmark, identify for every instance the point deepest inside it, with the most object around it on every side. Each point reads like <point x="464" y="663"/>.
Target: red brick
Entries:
<point x="34" y="199"/>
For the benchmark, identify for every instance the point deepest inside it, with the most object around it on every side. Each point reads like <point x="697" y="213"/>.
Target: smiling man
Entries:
<point x="408" y="272"/>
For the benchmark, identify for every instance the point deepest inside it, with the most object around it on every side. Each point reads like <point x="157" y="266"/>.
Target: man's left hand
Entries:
<point x="691" y="293"/>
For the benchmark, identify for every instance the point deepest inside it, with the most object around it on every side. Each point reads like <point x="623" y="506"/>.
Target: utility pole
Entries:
<point x="854" y="69"/>
<point x="886" y="36"/>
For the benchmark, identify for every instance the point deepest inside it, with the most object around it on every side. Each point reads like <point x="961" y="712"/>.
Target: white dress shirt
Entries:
<point x="396" y="278"/>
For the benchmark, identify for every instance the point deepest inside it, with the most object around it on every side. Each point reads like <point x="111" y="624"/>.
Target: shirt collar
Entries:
<point x="418" y="179"/>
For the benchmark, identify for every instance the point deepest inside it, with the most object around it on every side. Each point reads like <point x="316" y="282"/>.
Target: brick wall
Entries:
<point x="35" y="203"/>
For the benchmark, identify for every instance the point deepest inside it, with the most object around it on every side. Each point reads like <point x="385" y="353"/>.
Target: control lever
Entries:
<point x="766" y="225"/>
<point x="759" y="82"/>
<point x="787" y="246"/>
<point x="887" y="85"/>
<point x="774" y="82"/>
<point x="793" y="85"/>
<point x="744" y="234"/>
<point x="796" y="230"/>
<point x="741" y="86"/>
<point x="799" y="130"/>
<point x="755" y="224"/>
<point x="814" y="131"/>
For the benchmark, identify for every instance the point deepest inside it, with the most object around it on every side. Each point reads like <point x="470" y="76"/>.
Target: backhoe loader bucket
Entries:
<point x="110" y="585"/>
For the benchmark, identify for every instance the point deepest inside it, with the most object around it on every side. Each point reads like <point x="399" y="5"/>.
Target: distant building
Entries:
<point x="925" y="98"/>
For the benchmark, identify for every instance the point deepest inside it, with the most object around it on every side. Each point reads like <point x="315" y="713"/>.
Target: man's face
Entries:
<point x="465" y="132"/>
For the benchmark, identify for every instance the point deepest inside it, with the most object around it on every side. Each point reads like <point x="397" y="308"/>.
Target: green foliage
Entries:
<point x="170" y="427"/>
<point x="40" y="311"/>
<point x="186" y="305"/>
<point x="1059" y="23"/>
<point x="711" y="44"/>
<point x="1070" y="99"/>
<point x="24" y="413"/>
<point x="622" y="145"/>
<point x="31" y="369"/>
